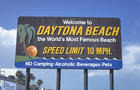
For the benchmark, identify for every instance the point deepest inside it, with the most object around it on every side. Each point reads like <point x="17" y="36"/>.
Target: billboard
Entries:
<point x="5" y="85"/>
<point x="68" y="43"/>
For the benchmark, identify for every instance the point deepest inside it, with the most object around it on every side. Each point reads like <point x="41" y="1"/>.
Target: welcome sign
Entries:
<point x="68" y="42"/>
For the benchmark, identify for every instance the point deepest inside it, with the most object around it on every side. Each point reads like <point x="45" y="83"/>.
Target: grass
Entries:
<point x="24" y="58"/>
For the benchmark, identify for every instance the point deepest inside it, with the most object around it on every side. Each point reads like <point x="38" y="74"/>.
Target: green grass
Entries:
<point x="25" y="58"/>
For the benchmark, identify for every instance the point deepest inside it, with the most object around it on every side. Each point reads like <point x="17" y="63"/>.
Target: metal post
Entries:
<point x="58" y="82"/>
<point x="111" y="79"/>
<point x="85" y="79"/>
<point x="27" y="79"/>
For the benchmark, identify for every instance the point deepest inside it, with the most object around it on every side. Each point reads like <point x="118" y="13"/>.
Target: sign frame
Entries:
<point x="112" y="59"/>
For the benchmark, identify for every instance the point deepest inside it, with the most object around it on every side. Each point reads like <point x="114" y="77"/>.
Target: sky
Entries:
<point x="128" y="78"/>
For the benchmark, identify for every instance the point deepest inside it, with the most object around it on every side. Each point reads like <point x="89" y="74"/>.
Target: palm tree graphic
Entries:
<point x="24" y="31"/>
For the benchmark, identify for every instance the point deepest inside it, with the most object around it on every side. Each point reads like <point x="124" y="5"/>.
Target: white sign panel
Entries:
<point x="5" y="85"/>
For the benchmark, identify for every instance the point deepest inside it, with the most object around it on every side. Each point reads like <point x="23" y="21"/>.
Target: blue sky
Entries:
<point x="127" y="10"/>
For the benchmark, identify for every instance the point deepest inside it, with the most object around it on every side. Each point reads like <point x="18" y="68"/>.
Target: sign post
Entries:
<point x="85" y="79"/>
<point x="27" y="81"/>
<point x="58" y="82"/>
<point x="111" y="79"/>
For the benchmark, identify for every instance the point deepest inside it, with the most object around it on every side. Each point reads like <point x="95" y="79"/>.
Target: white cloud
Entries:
<point x="131" y="61"/>
<point x="7" y="37"/>
<point x="131" y="56"/>
<point x="98" y="73"/>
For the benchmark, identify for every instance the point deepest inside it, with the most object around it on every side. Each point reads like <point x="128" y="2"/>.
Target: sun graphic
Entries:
<point x="32" y="50"/>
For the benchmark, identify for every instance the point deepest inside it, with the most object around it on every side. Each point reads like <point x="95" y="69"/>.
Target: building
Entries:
<point x="5" y="81"/>
<point x="7" y="72"/>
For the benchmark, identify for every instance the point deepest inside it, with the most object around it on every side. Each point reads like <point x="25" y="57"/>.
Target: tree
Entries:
<point x="20" y="78"/>
<point x="12" y="77"/>
<point x="25" y="30"/>
<point x="35" y="87"/>
<point x="23" y="80"/>
<point x="32" y="77"/>
<point x="39" y="83"/>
